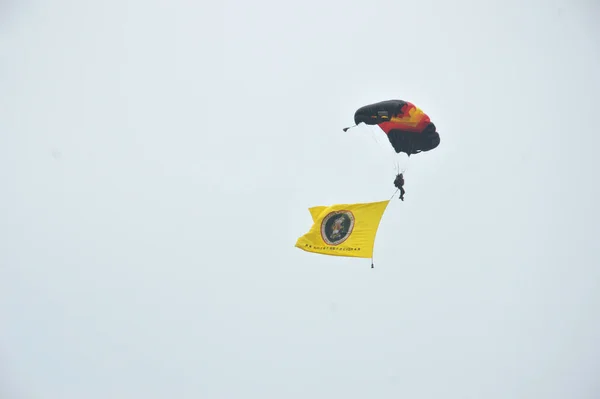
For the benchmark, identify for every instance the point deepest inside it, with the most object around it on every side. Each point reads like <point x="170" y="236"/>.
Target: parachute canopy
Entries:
<point x="407" y="127"/>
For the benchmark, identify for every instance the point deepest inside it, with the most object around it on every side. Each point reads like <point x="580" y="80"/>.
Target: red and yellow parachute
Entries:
<point x="407" y="127"/>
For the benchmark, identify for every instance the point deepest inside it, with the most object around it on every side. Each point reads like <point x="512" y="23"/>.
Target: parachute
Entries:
<point x="407" y="127"/>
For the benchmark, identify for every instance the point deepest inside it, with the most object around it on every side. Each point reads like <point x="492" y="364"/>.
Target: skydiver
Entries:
<point x="399" y="183"/>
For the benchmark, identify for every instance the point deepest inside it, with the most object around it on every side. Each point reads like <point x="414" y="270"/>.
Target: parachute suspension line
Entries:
<point x="371" y="131"/>
<point x="374" y="136"/>
<point x="378" y="137"/>
<point x="405" y="164"/>
<point x="397" y="168"/>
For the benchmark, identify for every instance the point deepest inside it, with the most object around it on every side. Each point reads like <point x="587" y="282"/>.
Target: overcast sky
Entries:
<point x="157" y="163"/>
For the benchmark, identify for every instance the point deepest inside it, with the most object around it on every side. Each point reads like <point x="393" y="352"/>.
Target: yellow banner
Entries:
<point x="343" y="229"/>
